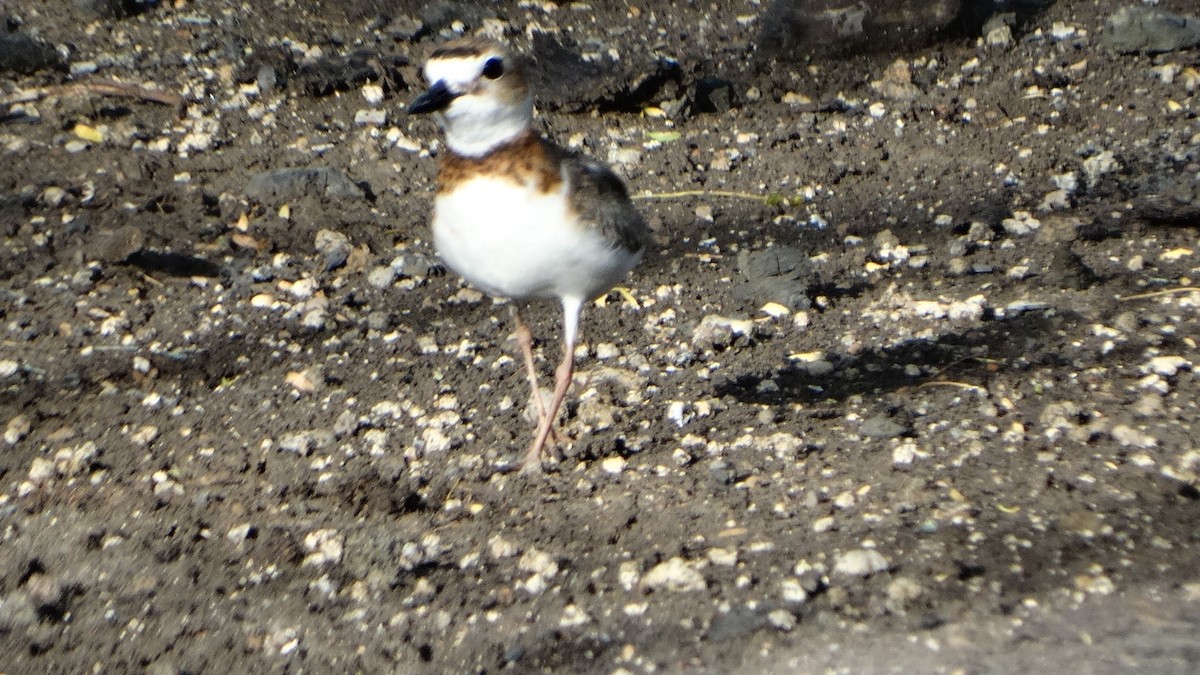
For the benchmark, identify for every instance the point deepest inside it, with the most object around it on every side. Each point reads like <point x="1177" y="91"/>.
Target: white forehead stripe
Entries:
<point x="456" y="72"/>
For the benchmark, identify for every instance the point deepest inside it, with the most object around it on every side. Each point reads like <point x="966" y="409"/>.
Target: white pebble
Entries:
<point x="792" y="591"/>
<point x="1168" y="366"/>
<point x="500" y="547"/>
<point x="303" y="289"/>
<point x="238" y="533"/>
<point x="573" y="617"/>
<point x="372" y="117"/>
<point x="324" y="546"/>
<point x="904" y="454"/>
<point x="1127" y="436"/>
<point x="782" y="619"/>
<point x="861" y="562"/>
<point x="823" y="524"/>
<point x="676" y="412"/>
<point x="674" y="575"/>
<point x="606" y="351"/>
<point x="41" y="470"/>
<point x="18" y="427"/>
<point x="613" y="465"/>
<point x="373" y="94"/>
<point x="8" y="368"/>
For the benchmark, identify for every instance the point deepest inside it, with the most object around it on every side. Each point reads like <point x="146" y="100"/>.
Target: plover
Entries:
<point x="516" y="215"/>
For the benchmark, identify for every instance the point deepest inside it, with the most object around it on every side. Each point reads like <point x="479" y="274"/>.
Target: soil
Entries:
<point x="252" y="425"/>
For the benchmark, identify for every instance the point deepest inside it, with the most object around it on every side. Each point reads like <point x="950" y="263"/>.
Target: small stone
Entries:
<point x="1129" y="437"/>
<point x="334" y="247"/>
<point x="1000" y="36"/>
<point x="677" y="413"/>
<point x="372" y="93"/>
<point x="323" y="546"/>
<point x="901" y="594"/>
<point x="904" y="454"/>
<point x="860" y="563"/>
<point x="1167" y="366"/>
<point x="782" y="620"/>
<point x="41" y="470"/>
<point x="723" y="557"/>
<point x="896" y="84"/>
<point x="381" y="276"/>
<point x="823" y="524"/>
<point x="1021" y="223"/>
<point x="793" y="592"/>
<point x="573" y="617"/>
<point x="606" y="351"/>
<point x="714" y="95"/>
<point x="17" y="429"/>
<point x="300" y="381"/>
<point x="53" y="196"/>
<point x="303" y="289"/>
<point x="501" y="548"/>
<point x="1100" y="165"/>
<point x="674" y="575"/>
<point x="613" y="465"/>
<point x="881" y="426"/>
<point x="379" y="320"/>
<point x="370" y="117"/>
<point x="8" y="368"/>
<point x="314" y="319"/>
<point x="144" y="436"/>
<point x="239" y="533"/>
<point x="1149" y="405"/>
<point x="539" y="562"/>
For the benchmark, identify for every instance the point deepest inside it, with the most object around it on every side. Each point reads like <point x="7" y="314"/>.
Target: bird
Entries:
<point x="518" y="216"/>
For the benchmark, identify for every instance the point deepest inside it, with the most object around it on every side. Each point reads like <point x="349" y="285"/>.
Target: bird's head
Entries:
<point x="479" y="89"/>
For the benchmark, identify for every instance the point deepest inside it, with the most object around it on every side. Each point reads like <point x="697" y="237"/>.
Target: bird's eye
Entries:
<point x="493" y="68"/>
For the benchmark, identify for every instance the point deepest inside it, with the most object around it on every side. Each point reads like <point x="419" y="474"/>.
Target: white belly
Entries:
<point x="521" y="243"/>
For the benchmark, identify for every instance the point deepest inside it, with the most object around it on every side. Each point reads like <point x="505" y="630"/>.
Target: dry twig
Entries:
<point x="99" y="87"/>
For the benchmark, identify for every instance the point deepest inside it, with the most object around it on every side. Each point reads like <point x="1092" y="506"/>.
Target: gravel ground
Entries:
<point x="907" y="386"/>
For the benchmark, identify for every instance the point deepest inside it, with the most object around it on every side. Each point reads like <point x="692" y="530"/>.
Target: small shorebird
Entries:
<point x="518" y="216"/>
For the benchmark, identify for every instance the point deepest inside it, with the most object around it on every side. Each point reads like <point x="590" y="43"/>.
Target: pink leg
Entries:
<point x="525" y="340"/>
<point x="532" y="461"/>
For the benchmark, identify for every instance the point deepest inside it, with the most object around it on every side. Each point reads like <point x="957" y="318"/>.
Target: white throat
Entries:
<point x="476" y="125"/>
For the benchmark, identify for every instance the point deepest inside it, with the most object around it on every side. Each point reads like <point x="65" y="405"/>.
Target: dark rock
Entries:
<point x="440" y="14"/>
<point x="714" y="95"/>
<point x="117" y="246"/>
<point x="881" y="426"/>
<point x="285" y="185"/>
<point x="342" y="73"/>
<point x="21" y="54"/>
<point x="563" y="80"/>
<point x="173" y="264"/>
<point x="116" y="9"/>
<point x="1068" y="271"/>
<point x="737" y="624"/>
<point x="779" y="274"/>
<point x="829" y="28"/>
<point x="1144" y="29"/>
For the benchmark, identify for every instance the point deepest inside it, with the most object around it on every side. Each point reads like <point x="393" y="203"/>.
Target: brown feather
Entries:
<point x="524" y="161"/>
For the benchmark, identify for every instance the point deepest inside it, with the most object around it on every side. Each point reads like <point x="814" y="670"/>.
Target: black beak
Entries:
<point x="436" y="98"/>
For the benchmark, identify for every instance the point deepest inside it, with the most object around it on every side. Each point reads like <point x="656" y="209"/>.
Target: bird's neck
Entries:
<point x="477" y="132"/>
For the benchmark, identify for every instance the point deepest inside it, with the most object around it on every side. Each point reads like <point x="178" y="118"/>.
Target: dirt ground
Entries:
<point x="907" y="385"/>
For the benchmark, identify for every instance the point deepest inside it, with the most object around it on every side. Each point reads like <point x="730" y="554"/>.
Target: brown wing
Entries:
<point x="602" y="202"/>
